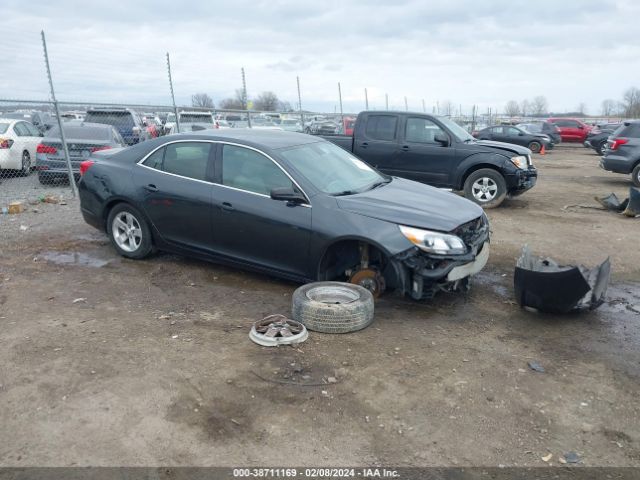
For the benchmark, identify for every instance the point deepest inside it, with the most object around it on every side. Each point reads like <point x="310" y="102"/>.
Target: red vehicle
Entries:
<point x="571" y="129"/>
<point x="347" y="125"/>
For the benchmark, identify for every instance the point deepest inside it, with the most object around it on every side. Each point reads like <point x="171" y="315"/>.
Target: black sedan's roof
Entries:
<point x="272" y="139"/>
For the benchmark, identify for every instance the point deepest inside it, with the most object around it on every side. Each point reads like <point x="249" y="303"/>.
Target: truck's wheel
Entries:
<point x="635" y="176"/>
<point x="486" y="187"/>
<point x="333" y="307"/>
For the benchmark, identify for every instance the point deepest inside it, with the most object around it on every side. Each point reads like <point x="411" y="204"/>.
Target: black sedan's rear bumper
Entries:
<point x="521" y="181"/>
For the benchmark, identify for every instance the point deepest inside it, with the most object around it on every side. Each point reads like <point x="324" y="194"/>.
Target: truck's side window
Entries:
<point x="421" y="130"/>
<point x="381" y="127"/>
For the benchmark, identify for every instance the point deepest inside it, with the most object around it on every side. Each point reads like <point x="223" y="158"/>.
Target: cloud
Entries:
<point x="470" y="52"/>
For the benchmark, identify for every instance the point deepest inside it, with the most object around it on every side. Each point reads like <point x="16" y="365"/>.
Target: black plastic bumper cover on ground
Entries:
<point x="542" y="284"/>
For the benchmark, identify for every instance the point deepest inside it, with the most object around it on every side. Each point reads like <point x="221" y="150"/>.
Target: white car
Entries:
<point x="18" y="142"/>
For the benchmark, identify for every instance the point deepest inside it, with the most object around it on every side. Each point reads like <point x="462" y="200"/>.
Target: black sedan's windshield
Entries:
<point x="331" y="169"/>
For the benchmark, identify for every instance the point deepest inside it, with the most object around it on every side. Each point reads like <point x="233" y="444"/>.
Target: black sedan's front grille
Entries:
<point x="475" y="232"/>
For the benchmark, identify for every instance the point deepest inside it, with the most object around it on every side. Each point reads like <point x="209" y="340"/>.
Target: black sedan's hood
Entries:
<point x="509" y="147"/>
<point x="413" y="204"/>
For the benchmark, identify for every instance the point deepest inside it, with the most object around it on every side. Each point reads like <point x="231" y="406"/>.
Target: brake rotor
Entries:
<point x="370" y="279"/>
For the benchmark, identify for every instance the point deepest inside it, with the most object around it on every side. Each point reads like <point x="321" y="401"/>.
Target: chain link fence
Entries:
<point x="37" y="161"/>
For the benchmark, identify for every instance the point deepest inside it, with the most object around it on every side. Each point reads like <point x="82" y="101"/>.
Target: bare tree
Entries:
<point x="266" y="101"/>
<point x="512" y="108"/>
<point x="539" y="105"/>
<point x="608" y="106"/>
<point x="284" y="106"/>
<point x="582" y="108"/>
<point x="631" y="102"/>
<point x="238" y="102"/>
<point x="525" y="107"/>
<point x="201" y="100"/>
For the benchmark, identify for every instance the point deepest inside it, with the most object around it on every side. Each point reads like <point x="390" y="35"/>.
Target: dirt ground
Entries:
<point x="106" y="361"/>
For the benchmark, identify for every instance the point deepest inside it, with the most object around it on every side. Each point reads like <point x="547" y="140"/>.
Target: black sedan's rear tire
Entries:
<point x="486" y="187"/>
<point x="129" y="231"/>
<point x="333" y="307"/>
<point x="635" y="176"/>
<point x="535" y="147"/>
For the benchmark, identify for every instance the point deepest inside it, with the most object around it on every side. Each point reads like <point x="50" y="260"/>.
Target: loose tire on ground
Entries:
<point x="635" y="176"/>
<point x="333" y="307"/>
<point x="485" y="177"/>
<point x="139" y="244"/>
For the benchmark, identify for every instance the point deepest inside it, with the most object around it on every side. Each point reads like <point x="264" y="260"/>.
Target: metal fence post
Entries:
<point x="424" y="106"/>
<point x="300" y="104"/>
<point x="406" y="105"/>
<point x="386" y="101"/>
<point x="72" y="180"/>
<point x="173" y="98"/>
<point x="366" y="100"/>
<point x="245" y="98"/>
<point x="340" y="98"/>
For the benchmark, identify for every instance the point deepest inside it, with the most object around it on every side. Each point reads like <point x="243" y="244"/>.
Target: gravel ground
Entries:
<point x="107" y="361"/>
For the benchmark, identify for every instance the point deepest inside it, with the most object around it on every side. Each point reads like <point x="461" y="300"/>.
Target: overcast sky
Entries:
<point x="469" y="52"/>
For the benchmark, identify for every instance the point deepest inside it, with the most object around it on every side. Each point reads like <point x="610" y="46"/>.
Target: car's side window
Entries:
<point x="381" y="127"/>
<point x="33" y="131"/>
<point x="497" y="130"/>
<point x="514" y="132"/>
<point x="249" y="170"/>
<point x="421" y="130"/>
<point x="187" y="159"/>
<point x="155" y="159"/>
<point x="21" y="129"/>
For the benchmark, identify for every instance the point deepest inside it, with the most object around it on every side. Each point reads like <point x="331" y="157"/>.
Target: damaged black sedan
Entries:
<point x="285" y="204"/>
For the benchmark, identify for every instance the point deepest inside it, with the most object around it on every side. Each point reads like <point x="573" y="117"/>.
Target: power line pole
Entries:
<point x="173" y="98"/>
<point x="300" y="104"/>
<point x="366" y="100"/>
<point x="245" y="98"/>
<point x="424" y="106"/>
<point x="406" y="105"/>
<point x="72" y="181"/>
<point x="386" y="101"/>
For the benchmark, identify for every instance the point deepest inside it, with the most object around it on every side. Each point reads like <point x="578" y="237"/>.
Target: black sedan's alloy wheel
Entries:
<point x="535" y="147"/>
<point x="129" y="232"/>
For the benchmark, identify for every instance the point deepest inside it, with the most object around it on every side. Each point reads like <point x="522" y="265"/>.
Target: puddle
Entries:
<point x="74" y="258"/>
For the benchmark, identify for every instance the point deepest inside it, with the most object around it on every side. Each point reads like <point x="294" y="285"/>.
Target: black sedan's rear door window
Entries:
<point x="187" y="159"/>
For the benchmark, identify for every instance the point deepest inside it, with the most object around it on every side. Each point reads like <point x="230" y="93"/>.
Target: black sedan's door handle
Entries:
<point x="227" y="206"/>
<point x="405" y="148"/>
<point x="364" y="144"/>
<point x="151" y="188"/>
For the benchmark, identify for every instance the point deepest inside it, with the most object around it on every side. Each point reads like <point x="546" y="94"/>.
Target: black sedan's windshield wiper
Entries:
<point x="379" y="184"/>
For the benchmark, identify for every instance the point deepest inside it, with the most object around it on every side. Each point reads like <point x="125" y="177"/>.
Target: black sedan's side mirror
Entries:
<point x="287" y="194"/>
<point x="442" y="139"/>
<point x="521" y="134"/>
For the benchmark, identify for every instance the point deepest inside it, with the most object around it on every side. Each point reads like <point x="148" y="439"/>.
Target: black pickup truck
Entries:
<point x="436" y="150"/>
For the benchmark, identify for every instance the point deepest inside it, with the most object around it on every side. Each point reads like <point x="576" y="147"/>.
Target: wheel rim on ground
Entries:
<point x="484" y="189"/>
<point x="126" y="232"/>
<point x="534" y="147"/>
